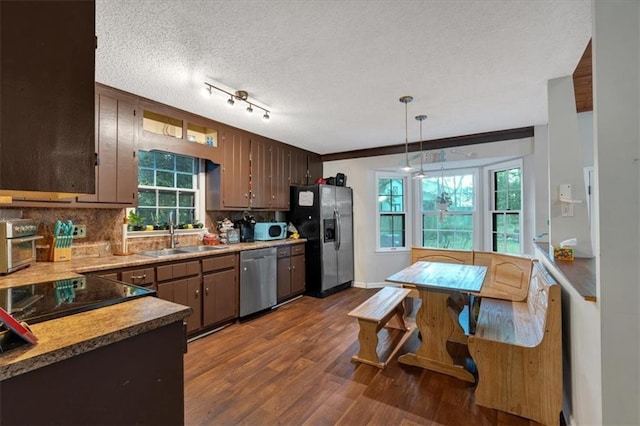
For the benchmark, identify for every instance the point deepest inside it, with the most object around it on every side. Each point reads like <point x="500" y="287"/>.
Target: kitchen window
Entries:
<point x="506" y="207"/>
<point x="169" y="183"/>
<point x="392" y="205"/>
<point x="448" y="210"/>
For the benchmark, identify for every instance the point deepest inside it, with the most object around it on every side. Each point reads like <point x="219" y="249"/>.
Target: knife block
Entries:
<point x="59" y="254"/>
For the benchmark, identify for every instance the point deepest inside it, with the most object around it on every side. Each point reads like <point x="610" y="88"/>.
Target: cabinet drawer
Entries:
<point x="284" y="251"/>
<point x="142" y="277"/>
<point x="297" y="249"/>
<point x="219" y="262"/>
<point x="177" y="270"/>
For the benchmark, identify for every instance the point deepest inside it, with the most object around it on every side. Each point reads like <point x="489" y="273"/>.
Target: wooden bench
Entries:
<point x="517" y="349"/>
<point x="383" y="309"/>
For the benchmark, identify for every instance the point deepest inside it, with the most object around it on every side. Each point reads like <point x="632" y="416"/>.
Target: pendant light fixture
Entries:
<point x="421" y="174"/>
<point x="407" y="167"/>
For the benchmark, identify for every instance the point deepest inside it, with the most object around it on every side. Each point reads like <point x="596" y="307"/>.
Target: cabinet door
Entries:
<point x="220" y="297"/>
<point x="194" y="300"/>
<point x="284" y="277"/>
<point x="298" y="164"/>
<point x="166" y="291"/>
<point x="280" y="176"/>
<point x="116" y="174"/>
<point x="297" y="274"/>
<point x="235" y="169"/>
<point x="261" y="171"/>
<point x="314" y="164"/>
<point x="47" y="102"/>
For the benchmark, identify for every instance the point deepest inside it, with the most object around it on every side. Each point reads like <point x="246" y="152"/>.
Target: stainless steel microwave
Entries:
<point x="265" y="231"/>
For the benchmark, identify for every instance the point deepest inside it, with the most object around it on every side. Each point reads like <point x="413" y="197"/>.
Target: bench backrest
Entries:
<point x="508" y="276"/>
<point x="543" y="299"/>
<point x="439" y="255"/>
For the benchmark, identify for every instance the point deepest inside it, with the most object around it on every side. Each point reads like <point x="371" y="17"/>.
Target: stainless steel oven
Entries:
<point x="17" y="244"/>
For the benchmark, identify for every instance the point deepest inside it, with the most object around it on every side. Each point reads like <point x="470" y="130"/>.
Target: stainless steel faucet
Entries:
<point x="172" y="231"/>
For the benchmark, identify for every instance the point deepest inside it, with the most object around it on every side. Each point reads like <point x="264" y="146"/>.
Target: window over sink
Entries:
<point x="169" y="184"/>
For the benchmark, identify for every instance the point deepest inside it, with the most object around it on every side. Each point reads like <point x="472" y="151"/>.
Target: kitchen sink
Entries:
<point x="201" y="249"/>
<point x="163" y="252"/>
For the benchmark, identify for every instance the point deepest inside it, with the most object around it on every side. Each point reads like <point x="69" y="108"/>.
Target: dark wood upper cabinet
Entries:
<point x="116" y="130"/>
<point x="314" y="167"/>
<point x="298" y="165"/>
<point x="261" y="172"/>
<point x="47" y="96"/>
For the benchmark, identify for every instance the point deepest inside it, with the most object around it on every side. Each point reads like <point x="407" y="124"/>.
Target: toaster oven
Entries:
<point x="265" y="231"/>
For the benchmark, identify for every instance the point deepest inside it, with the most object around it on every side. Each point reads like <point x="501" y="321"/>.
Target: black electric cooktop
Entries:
<point x="43" y="301"/>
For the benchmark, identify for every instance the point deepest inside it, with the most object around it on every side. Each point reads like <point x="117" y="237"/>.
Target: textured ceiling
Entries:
<point x="331" y="72"/>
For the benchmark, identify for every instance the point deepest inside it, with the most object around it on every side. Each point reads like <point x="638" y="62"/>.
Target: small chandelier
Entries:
<point x="239" y="95"/>
<point x="407" y="167"/>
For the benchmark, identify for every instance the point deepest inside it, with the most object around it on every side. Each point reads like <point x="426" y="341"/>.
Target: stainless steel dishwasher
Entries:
<point x="258" y="280"/>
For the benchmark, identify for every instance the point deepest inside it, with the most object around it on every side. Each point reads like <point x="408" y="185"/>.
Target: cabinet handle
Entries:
<point x="197" y="293"/>
<point x="246" y="195"/>
<point x="139" y="277"/>
<point x="293" y="267"/>
<point x="206" y="291"/>
<point x="289" y="268"/>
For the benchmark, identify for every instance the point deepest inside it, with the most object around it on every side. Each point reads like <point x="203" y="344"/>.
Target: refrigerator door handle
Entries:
<point x="336" y="216"/>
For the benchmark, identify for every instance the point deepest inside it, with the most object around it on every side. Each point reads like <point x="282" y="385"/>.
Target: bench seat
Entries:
<point x="383" y="309"/>
<point x="517" y="349"/>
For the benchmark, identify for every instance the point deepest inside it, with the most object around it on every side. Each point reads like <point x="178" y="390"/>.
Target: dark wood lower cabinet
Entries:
<point x="220" y="298"/>
<point x="291" y="271"/>
<point x="139" y="380"/>
<point x="186" y="292"/>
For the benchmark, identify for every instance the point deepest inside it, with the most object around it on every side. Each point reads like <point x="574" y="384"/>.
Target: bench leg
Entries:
<point x="368" y="339"/>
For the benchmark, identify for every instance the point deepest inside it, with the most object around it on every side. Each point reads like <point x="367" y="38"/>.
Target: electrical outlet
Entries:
<point x="80" y="231"/>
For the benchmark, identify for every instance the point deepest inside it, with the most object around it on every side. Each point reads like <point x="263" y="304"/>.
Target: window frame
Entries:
<point x="198" y="191"/>
<point x="476" y="214"/>
<point x="490" y="172"/>
<point x="408" y="207"/>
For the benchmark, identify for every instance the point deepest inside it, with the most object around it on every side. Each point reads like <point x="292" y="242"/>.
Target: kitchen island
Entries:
<point x="120" y="364"/>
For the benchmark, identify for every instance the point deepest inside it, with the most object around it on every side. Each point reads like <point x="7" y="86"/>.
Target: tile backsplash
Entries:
<point x="104" y="227"/>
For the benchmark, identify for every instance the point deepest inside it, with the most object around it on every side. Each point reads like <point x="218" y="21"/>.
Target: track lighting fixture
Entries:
<point x="407" y="167"/>
<point x="239" y="95"/>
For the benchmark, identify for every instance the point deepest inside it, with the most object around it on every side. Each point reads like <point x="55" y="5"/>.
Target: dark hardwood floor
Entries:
<point x="293" y="367"/>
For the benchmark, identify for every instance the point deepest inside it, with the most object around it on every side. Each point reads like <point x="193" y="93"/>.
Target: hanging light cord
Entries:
<point x="405" y="100"/>
<point x="421" y="174"/>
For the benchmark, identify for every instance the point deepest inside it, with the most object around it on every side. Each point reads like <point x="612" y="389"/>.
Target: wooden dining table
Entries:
<point x="436" y="282"/>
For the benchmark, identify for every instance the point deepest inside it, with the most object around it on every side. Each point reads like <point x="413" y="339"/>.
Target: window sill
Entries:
<point x="163" y="233"/>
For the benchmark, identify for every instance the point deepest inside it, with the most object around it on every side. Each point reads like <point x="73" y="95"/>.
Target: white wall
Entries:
<point x="371" y="268"/>
<point x="616" y="87"/>
<point x="566" y="165"/>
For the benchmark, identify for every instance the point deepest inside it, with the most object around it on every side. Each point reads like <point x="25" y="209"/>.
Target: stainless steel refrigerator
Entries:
<point x="323" y="214"/>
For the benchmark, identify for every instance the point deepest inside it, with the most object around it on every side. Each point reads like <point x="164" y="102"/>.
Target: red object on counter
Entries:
<point x="16" y="327"/>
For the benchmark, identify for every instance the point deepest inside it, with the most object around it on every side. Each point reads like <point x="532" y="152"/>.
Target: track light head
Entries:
<point x="230" y="101"/>
<point x="266" y="117"/>
<point x="249" y="109"/>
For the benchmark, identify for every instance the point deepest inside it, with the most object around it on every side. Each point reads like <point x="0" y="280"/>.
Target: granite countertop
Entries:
<point x="47" y="271"/>
<point x="73" y="335"/>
